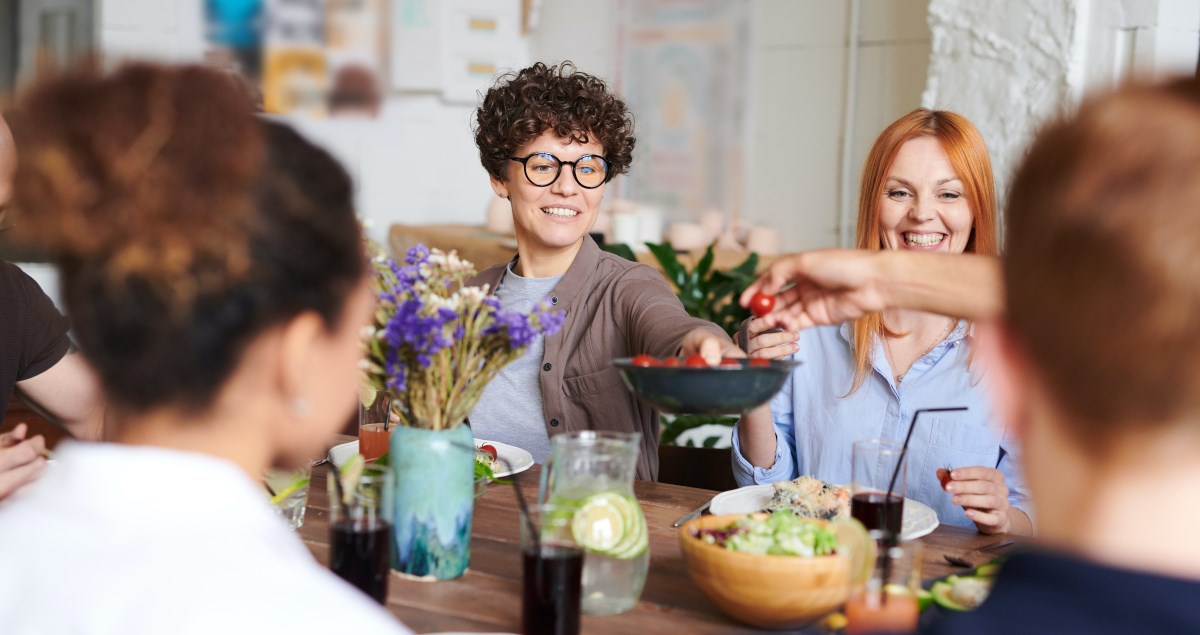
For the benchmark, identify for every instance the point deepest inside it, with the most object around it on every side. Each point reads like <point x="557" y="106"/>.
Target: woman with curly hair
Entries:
<point x="213" y="270"/>
<point x="551" y="138"/>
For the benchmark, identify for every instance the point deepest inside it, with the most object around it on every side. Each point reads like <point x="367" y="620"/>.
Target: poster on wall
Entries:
<point x="314" y="58"/>
<point x="684" y="72"/>
<point x="456" y="47"/>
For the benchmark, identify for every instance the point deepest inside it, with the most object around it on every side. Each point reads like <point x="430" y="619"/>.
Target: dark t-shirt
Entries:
<point x="1041" y="592"/>
<point x="33" y="334"/>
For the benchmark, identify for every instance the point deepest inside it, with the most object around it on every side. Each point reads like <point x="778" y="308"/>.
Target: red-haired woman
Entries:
<point x="927" y="186"/>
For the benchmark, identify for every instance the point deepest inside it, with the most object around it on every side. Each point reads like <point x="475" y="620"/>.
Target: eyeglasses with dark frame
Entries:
<point x="542" y="169"/>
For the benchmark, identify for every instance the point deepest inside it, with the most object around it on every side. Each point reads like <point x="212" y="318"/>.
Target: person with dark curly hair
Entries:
<point x="213" y="268"/>
<point x="551" y="138"/>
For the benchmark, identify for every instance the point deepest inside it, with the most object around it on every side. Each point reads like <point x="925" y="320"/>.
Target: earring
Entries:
<point x="299" y="407"/>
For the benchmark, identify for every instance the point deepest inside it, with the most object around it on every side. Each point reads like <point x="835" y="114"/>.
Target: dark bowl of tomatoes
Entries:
<point x="689" y="386"/>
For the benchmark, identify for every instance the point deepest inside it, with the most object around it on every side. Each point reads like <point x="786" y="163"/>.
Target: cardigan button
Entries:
<point x="554" y="423"/>
<point x="546" y="367"/>
<point x="554" y="300"/>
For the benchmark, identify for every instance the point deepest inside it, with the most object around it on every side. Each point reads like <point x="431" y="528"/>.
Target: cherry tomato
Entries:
<point x="761" y="304"/>
<point x="645" y="361"/>
<point x="758" y="361"/>
<point x="490" y="449"/>
<point x="729" y="361"/>
<point x="695" y="361"/>
<point x="945" y="478"/>
<point x="673" y="362"/>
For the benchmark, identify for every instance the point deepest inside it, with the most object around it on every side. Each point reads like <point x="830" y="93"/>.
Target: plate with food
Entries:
<point x="813" y="498"/>
<point x="507" y="459"/>
<point x="517" y="460"/>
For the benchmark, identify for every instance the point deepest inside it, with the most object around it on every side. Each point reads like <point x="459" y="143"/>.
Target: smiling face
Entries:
<point x="553" y="219"/>
<point x="923" y="206"/>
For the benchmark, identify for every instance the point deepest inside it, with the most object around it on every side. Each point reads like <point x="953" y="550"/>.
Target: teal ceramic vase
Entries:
<point x="435" y="482"/>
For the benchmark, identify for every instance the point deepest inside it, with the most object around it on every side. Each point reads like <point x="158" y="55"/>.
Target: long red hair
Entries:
<point x="968" y="155"/>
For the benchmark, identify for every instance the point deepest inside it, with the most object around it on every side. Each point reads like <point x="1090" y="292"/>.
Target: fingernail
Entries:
<point x="957" y="500"/>
<point x="950" y="487"/>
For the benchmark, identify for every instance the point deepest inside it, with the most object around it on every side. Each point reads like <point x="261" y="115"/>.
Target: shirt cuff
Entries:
<point x="1025" y="505"/>
<point x="747" y="474"/>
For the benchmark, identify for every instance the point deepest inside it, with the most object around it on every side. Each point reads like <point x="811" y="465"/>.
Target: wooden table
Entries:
<point x="488" y="597"/>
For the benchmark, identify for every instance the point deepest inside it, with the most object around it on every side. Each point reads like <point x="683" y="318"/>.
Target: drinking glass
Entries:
<point x="873" y="463"/>
<point x="552" y="573"/>
<point x="360" y="531"/>
<point x="887" y="601"/>
<point x="374" y="428"/>
<point x="288" y="490"/>
<point x="592" y="472"/>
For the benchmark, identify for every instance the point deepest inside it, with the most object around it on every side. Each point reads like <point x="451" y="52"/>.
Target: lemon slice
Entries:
<point x="366" y="394"/>
<point x="289" y="490"/>
<point x="601" y="522"/>
<point x="852" y="538"/>
<point x="350" y="473"/>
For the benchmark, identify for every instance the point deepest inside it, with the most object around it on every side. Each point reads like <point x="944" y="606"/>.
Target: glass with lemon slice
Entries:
<point x="589" y="478"/>
<point x="887" y="600"/>
<point x="288" y="491"/>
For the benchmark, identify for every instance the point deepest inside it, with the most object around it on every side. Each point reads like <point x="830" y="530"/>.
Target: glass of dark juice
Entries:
<point x="360" y="530"/>
<point x="551" y="573"/>
<point x="873" y="464"/>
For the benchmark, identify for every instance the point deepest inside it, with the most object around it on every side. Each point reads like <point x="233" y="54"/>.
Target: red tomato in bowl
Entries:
<point x="695" y="361"/>
<point x="645" y="361"/>
<point x="760" y="362"/>
<point x="761" y="304"/>
<point x="490" y="449"/>
<point x="729" y="361"/>
<point x="673" y="362"/>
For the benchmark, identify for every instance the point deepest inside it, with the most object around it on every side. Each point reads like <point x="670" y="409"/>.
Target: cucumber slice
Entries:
<point x="602" y="522"/>
<point x="636" y="542"/>
<point x="941" y="595"/>
<point x="924" y="599"/>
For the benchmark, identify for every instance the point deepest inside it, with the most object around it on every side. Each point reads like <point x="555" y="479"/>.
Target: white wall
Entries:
<point x="802" y="67"/>
<point x="418" y="163"/>
<point x="1009" y="66"/>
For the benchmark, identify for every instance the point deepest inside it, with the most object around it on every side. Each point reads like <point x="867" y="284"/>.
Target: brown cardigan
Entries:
<point x="614" y="308"/>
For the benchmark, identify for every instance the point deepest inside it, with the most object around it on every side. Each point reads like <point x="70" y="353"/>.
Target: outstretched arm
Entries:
<point x="835" y="285"/>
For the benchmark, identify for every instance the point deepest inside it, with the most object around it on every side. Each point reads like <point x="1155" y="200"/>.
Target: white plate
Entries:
<point x="519" y="460"/>
<point x="919" y="519"/>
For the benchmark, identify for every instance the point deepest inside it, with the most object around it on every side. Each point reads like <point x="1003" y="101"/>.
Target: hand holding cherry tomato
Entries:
<point x="761" y="304"/>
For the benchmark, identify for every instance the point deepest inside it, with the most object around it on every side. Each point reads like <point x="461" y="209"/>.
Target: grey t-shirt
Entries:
<point x="510" y="409"/>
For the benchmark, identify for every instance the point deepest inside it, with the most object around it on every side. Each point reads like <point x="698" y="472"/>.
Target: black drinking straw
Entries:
<point x="904" y="449"/>
<point x="890" y="540"/>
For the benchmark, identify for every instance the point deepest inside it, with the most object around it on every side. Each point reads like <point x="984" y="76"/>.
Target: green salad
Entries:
<point x="781" y="533"/>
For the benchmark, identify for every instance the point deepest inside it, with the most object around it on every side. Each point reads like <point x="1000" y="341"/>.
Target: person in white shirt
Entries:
<point x="214" y="272"/>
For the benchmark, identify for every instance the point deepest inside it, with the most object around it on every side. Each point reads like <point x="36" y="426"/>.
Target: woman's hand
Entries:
<point x="21" y="459"/>
<point x="982" y="494"/>
<point x="765" y="341"/>
<point x="712" y="348"/>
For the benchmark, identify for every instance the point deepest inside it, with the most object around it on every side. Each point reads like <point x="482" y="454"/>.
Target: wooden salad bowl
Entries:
<point x="763" y="590"/>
